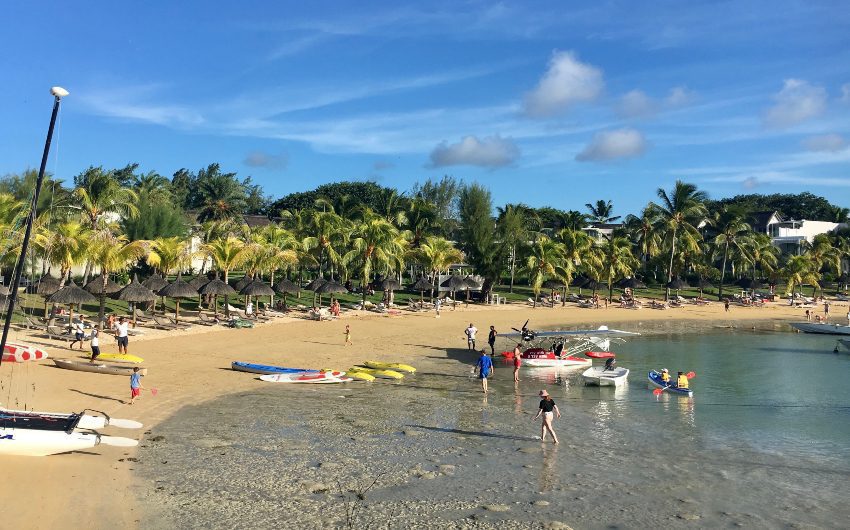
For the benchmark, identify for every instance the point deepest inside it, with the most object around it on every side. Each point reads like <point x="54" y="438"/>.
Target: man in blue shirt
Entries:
<point x="484" y="366"/>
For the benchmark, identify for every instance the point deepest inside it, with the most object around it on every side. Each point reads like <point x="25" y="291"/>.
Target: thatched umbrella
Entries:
<point x="178" y="289"/>
<point x="45" y="286"/>
<point x="155" y="283"/>
<point x="453" y="283"/>
<point x="556" y="285"/>
<point x="256" y="288"/>
<point x="470" y="283"/>
<point x="70" y="294"/>
<point x="330" y="287"/>
<point x="135" y="292"/>
<point x="579" y="281"/>
<point x="198" y="281"/>
<point x="315" y="284"/>
<point x="677" y="283"/>
<point x="285" y="287"/>
<point x="631" y="283"/>
<point x="216" y="287"/>
<point x="95" y="286"/>
<point x="703" y="284"/>
<point x="748" y="283"/>
<point x="245" y="280"/>
<point x="390" y="285"/>
<point x="422" y="285"/>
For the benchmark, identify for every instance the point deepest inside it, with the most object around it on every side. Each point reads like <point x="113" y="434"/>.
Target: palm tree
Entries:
<point x="825" y="256"/>
<point x="800" y="270"/>
<point x="113" y="254"/>
<point x="680" y="210"/>
<point x="544" y="259"/>
<point x="226" y="254"/>
<point x="731" y="231"/>
<point x="436" y="254"/>
<point x="420" y="219"/>
<point x="513" y="231"/>
<point x="763" y="254"/>
<point x="618" y="260"/>
<point x="577" y="247"/>
<point x="392" y="206"/>
<point x="327" y="230"/>
<point x="644" y="233"/>
<point x="169" y="254"/>
<point x="153" y="186"/>
<point x="601" y="212"/>
<point x="65" y="245"/>
<point x="221" y="196"/>
<point x="376" y="245"/>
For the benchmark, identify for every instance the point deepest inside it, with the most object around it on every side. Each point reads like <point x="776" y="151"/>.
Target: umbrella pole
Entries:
<point x="134" y="314"/>
<point x="70" y="315"/>
<point x="177" y="311"/>
<point x="226" y="307"/>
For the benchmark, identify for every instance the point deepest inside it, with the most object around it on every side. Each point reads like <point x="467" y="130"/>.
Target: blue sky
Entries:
<point x="547" y="103"/>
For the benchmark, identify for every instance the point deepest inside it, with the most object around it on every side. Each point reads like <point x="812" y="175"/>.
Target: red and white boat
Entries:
<point x="539" y="357"/>
<point x="18" y="353"/>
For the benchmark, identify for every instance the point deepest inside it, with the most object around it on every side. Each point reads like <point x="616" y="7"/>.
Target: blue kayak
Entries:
<point x="655" y="379"/>
<point x="265" y="368"/>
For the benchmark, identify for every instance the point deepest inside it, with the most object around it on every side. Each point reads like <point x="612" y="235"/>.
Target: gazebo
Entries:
<point x="70" y="294"/>
<point x="178" y="289"/>
<point x="216" y="287"/>
<point x="134" y="292"/>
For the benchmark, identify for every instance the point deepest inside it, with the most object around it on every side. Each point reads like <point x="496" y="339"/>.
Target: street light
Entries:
<point x="58" y="93"/>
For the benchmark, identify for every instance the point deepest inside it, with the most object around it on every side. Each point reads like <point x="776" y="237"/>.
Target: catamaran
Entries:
<point x="566" y="346"/>
<point x="823" y="328"/>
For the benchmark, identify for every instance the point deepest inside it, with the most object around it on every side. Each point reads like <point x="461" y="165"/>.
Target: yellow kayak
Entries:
<point x="390" y="366"/>
<point x="389" y="374"/>
<point x="363" y="376"/>
<point x="119" y="358"/>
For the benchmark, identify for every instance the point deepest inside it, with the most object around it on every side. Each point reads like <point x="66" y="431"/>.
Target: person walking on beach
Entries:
<point x="470" y="336"/>
<point x="825" y="312"/>
<point x="517" y="362"/>
<point x="121" y="333"/>
<point x="348" y="336"/>
<point x="135" y="385"/>
<point x="95" y="344"/>
<point x="79" y="333"/>
<point x="726" y="305"/>
<point x="548" y="409"/>
<point x="437" y="304"/>
<point x="484" y="367"/>
<point x="808" y="315"/>
<point x="491" y="340"/>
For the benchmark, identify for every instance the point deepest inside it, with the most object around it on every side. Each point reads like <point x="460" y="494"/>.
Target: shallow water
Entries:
<point x="763" y="443"/>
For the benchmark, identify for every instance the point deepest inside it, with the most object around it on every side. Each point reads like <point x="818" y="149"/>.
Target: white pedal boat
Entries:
<point x="599" y="376"/>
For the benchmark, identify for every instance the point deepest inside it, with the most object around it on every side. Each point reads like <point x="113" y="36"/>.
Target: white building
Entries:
<point x="789" y="235"/>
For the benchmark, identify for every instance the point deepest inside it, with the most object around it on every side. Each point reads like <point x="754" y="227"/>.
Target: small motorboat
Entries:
<point x="655" y="380"/>
<point x="538" y="357"/>
<point x="607" y="375"/>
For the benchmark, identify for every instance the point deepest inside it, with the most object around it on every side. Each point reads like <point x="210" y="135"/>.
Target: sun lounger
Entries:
<point x="204" y="320"/>
<point x="160" y="323"/>
<point x="55" y="332"/>
<point x="184" y="325"/>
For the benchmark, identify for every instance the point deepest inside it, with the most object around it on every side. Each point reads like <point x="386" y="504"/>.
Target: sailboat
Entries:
<point x="26" y="433"/>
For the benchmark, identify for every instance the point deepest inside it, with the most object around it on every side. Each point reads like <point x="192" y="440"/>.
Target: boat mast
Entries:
<point x="58" y="94"/>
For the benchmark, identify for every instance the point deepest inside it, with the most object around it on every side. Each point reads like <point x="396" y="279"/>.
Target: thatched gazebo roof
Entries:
<point x="155" y="282"/>
<point x="285" y="286"/>
<point x="331" y="287"/>
<point x="256" y="288"/>
<point x="315" y="284"/>
<point x="178" y="289"/>
<point x="47" y="285"/>
<point x="453" y="283"/>
<point x="677" y="283"/>
<point x="198" y="281"/>
<point x="390" y="284"/>
<point x="422" y="284"/>
<point x="136" y="292"/>
<point x="95" y="286"/>
<point x="216" y="286"/>
<point x="70" y="294"/>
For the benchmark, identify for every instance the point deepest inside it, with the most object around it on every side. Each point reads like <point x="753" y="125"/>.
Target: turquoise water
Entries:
<point x="763" y="443"/>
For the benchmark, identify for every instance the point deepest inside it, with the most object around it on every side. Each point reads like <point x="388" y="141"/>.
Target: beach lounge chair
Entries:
<point x="182" y="325"/>
<point x="55" y="332"/>
<point x="160" y="323"/>
<point x="205" y="320"/>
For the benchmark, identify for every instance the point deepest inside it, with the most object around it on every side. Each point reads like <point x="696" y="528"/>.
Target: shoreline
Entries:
<point x="193" y="367"/>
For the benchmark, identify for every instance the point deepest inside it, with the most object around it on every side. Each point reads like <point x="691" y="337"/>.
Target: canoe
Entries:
<point x="97" y="368"/>
<point x="120" y="358"/>
<point x="655" y="380"/>
<point x="386" y="374"/>
<point x="599" y="376"/>
<point x="398" y="367"/>
<point x="321" y="377"/>
<point x="267" y="369"/>
<point x="18" y="353"/>
<point x="822" y="328"/>
<point x="363" y="376"/>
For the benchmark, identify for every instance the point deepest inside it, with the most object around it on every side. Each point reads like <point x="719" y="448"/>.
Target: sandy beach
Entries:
<point x="99" y="488"/>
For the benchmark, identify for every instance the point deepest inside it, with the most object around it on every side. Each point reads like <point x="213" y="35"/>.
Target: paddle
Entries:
<point x="659" y="391"/>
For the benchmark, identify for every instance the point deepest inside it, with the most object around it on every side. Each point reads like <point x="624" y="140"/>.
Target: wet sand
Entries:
<point x="99" y="488"/>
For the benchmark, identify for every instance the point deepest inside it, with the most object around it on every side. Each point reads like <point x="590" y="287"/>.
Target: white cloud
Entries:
<point x="610" y="145"/>
<point x="266" y="160"/>
<point x="797" y="102"/>
<point x="845" y="93"/>
<point x="679" y="96"/>
<point x="567" y="82"/>
<point x="636" y="104"/>
<point x="491" y="152"/>
<point x="129" y="103"/>
<point x="825" y="142"/>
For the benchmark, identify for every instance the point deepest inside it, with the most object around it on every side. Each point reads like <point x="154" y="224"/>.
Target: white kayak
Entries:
<point x="599" y="376"/>
<point x="307" y="377"/>
<point x="563" y="362"/>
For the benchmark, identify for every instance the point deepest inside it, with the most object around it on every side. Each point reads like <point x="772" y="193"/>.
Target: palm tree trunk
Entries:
<point x="513" y="264"/>
<point x="670" y="269"/>
<point x="723" y="272"/>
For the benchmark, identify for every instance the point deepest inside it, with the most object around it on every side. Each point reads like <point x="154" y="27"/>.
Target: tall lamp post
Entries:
<point x="58" y="93"/>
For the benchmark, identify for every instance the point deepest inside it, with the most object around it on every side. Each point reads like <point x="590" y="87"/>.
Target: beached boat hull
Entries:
<point x="599" y="376"/>
<point x="655" y="380"/>
<point x="562" y="362"/>
<point x="265" y="369"/>
<point x="821" y="328"/>
<point x="40" y="434"/>
<point x="19" y="353"/>
<point x="120" y="358"/>
<point x="97" y="368"/>
<point x="398" y="367"/>
<point x="86" y="421"/>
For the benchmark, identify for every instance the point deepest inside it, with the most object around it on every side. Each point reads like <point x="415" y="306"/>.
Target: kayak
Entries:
<point x="301" y="377"/>
<point x="600" y="354"/>
<point x="18" y="353"/>
<point x="267" y="369"/>
<point x="387" y="374"/>
<point x="363" y="376"/>
<point x="655" y="380"/>
<point x="98" y="368"/>
<point x="119" y="358"/>
<point x="398" y="367"/>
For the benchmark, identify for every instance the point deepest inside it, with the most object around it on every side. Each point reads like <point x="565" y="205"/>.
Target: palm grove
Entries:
<point x="120" y="221"/>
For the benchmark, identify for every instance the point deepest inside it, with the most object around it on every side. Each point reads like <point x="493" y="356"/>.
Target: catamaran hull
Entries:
<point x="30" y="442"/>
<point x="598" y="376"/>
<point x="565" y="362"/>
<point x="821" y="328"/>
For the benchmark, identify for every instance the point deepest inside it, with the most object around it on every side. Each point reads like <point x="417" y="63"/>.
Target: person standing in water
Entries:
<point x="517" y="362"/>
<point x="548" y="409"/>
<point x="484" y="366"/>
<point x="491" y="340"/>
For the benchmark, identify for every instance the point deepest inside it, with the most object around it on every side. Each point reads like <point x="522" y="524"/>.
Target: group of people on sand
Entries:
<point x="120" y="328"/>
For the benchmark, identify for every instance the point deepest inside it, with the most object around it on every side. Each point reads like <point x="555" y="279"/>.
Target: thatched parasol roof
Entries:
<point x="631" y="283"/>
<point x="216" y="286"/>
<point x="70" y="294"/>
<point x="748" y="283"/>
<point x="592" y="284"/>
<point x="136" y="292"/>
<point x="178" y="289"/>
<point x="256" y="288"/>
<point x="704" y="284"/>
<point x="422" y="284"/>
<point x="95" y="286"/>
<point x="245" y="280"/>
<point x="471" y="283"/>
<point x="285" y="286"/>
<point x="677" y="283"/>
<point x="331" y="287"/>
<point x="155" y="283"/>
<point x="390" y="284"/>
<point x="553" y="284"/>
<point x="198" y="281"/>
<point x="453" y="283"/>
<point x="579" y="281"/>
<point x="47" y="284"/>
<point x="4" y="302"/>
<point x="315" y="284"/>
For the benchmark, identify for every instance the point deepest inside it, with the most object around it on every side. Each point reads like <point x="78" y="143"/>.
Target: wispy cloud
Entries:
<point x="612" y="145"/>
<point x="490" y="152"/>
<point x="566" y="82"/>
<point x="636" y="104"/>
<point x="134" y="103"/>
<point x="262" y="159"/>
<point x="825" y="142"/>
<point x="679" y="97"/>
<point x="798" y="101"/>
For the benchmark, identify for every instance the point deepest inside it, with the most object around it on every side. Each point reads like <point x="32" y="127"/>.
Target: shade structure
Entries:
<point x="592" y="284"/>
<point x="390" y="284"/>
<point x="70" y="294"/>
<point x="245" y="280"/>
<point x="631" y="283"/>
<point x="579" y="281"/>
<point x="47" y="285"/>
<point x="704" y="284"/>
<point x="214" y="288"/>
<point x="453" y="283"/>
<point x="553" y="284"/>
<point x="285" y="286"/>
<point x="315" y="284"/>
<point x="178" y="289"/>
<point x="198" y="281"/>
<point x="95" y="286"/>
<point x="134" y="292"/>
<point x="256" y="288"/>
<point x="155" y="283"/>
<point x="4" y="302"/>
<point x="422" y="284"/>
<point x="331" y="288"/>
<point x="748" y="283"/>
<point x="677" y="283"/>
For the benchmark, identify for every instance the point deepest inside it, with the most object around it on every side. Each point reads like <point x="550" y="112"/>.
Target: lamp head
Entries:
<point x="59" y="92"/>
